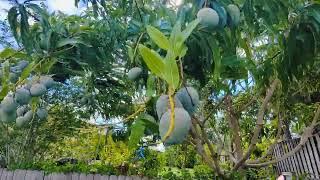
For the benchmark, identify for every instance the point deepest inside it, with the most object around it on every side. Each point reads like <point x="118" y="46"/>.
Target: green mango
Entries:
<point x="22" y="96"/>
<point x="189" y="98"/>
<point x="38" y="90"/>
<point x="162" y="105"/>
<point x="233" y="14"/>
<point x="209" y="18"/>
<point x="134" y="73"/>
<point x="182" y="125"/>
<point x="223" y="16"/>
<point x="9" y="105"/>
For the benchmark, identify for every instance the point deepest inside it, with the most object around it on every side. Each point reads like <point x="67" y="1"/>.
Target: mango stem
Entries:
<point x="172" y="115"/>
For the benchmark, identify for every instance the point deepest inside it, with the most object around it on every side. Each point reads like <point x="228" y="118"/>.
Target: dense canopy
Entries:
<point x="223" y="79"/>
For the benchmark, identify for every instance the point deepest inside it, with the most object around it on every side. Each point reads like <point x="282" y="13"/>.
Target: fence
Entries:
<point x="39" y="175"/>
<point x="305" y="162"/>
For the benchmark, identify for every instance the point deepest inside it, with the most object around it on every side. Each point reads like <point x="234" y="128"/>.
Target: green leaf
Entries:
<point x="137" y="132"/>
<point x="42" y="14"/>
<point x="7" y="52"/>
<point x="234" y="68"/>
<point x="12" y="18"/>
<point x="158" y="37"/>
<point x="11" y="53"/>
<point x="151" y="89"/>
<point x="153" y="60"/>
<point x="46" y="66"/>
<point x="4" y="91"/>
<point x="24" y="29"/>
<point x="27" y="71"/>
<point x="95" y="7"/>
<point x="176" y="40"/>
<point x="172" y="73"/>
<point x="4" y="80"/>
<point x="190" y="27"/>
<point x="150" y="123"/>
<point x="130" y="54"/>
<point x="217" y="59"/>
<point x="67" y="41"/>
<point x="176" y="30"/>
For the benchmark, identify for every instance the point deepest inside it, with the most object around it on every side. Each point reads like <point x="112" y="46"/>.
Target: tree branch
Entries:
<point x="204" y="137"/>
<point x="307" y="133"/>
<point x="211" y="112"/>
<point x="234" y="127"/>
<point x="271" y="147"/>
<point x="248" y="104"/>
<point x="259" y="125"/>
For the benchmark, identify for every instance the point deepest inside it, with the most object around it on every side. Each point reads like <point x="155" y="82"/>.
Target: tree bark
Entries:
<point x="234" y="127"/>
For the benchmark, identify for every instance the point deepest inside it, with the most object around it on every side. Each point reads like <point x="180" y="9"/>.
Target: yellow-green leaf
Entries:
<point x="7" y="52"/>
<point x="158" y="37"/>
<point x="130" y="54"/>
<point x="26" y="71"/>
<point x="153" y="60"/>
<point x="172" y="73"/>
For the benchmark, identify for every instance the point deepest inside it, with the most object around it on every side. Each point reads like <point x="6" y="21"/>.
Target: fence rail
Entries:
<point x="305" y="162"/>
<point x="39" y="175"/>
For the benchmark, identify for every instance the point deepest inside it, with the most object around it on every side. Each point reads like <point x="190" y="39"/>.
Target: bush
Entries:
<point x="182" y="156"/>
<point x="150" y="166"/>
<point x="80" y="167"/>
<point x="203" y="172"/>
<point x="176" y="174"/>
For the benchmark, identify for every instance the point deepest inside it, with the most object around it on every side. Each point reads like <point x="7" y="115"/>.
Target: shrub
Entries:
<point x="203" y="172"/>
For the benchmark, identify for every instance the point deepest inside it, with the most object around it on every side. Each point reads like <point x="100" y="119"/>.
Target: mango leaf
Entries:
<point x="176" y="40"/>
<point x="130" y="54"/>
<point x="11" y="53"/>
<point x="95" y="7"/>
<point x="176" y="30"/>
<point x="4" y="80"/>
<point x="4" y="91"/>
<point x="217" y="59"/>
<point x="158" y="37"/>
<point x="190" y="27"/>
<point x="42" y="14"/>
<point x="183" y="51"/>
<point x="137" y="132"/>
<point x="153" y="60"/>
<point x="46" y="66"/>
<point x="27" y="71"/>
<point x="34" y="103"/>
<point x="151" y="89"/>
<point x="150" y="123"/>
<point x="234" y="68"/>
<point x="12" y="18"/>
<point x="24" y="29"/>
<point x="172" y="73"/>
<point x="66" y="41"/>
<point x="7" y="52"/>
<point x="245" y="45"/>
